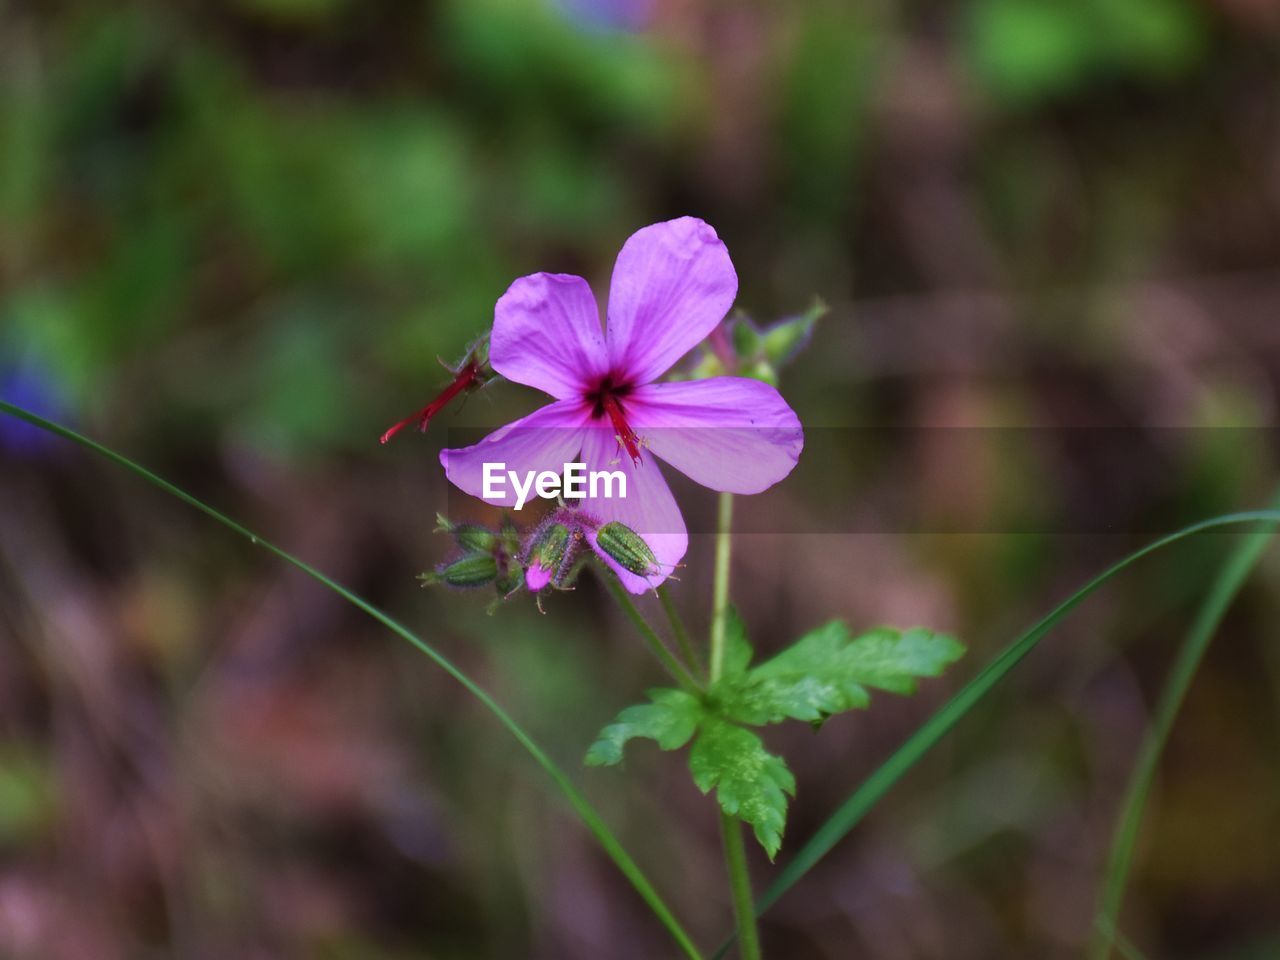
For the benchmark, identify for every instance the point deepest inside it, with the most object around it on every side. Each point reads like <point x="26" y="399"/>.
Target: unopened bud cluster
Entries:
<point x="551" y="555"/>
<point x="487" y="558"/>
<point x="741" y="348"/>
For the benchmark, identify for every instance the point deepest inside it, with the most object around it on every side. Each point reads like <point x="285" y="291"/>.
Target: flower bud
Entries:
<point x="627" y="548"/>
<point x="472" y="536"/>
<point x="744" y="336"/>
<point x="469" y="536"/>
<point x="781" y="342"/>
<point x="547" y="555"/>
<point x="508" y="548"/>
<point x="739" y="347"/>
<point x="469" y="570"/>
<point x="760" y="370"/>
<point x="705" y="366"/>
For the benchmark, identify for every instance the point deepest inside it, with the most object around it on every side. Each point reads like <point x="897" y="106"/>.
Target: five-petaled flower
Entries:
<point x="672" y="284"/>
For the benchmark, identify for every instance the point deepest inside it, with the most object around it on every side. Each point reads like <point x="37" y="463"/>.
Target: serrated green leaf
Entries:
<point x="671" y="719"/>
<point x="750" y="783"/>
<point x="827" y="671"/>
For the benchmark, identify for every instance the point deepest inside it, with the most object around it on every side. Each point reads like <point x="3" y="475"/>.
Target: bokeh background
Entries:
<point x="234" y="238"/>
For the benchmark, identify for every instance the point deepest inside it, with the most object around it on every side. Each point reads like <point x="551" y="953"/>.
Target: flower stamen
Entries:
<point x="627" y="438"/>
<point x="468" y="376"/>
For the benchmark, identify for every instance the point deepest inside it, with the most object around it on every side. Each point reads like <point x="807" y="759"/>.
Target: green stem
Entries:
<point x="1224" y="590"/>
<point x="735" y="854"/>
<point x="865" y="797"/>
<point x="585" y="811"/>
<point x="1127" y="949"/>
<point x="720" y="585"/>
<point x="677" y="628"/>
<point x="673" y="666"/>
<point x="735" y="858"/>
<point x="1121" y="944"/>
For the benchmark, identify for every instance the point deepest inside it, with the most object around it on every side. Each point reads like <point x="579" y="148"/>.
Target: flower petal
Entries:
<point x="546" y="334"/>
<point x="649" y="509"/>
<point x="727" y="433"/>
<point x="546" y="439"/>
<point x="672" y="283"/>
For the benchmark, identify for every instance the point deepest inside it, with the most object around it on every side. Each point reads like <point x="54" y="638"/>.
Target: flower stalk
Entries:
<point x="735" y="853"/>
<point x="673" y="666"/>
<point x="678" y="630"/>
<point x="735" y="858"/>
<point x="720" y="584"/>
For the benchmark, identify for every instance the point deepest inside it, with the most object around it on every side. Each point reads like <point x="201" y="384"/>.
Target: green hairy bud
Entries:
<point x="627" y="548"/>
<point x="468" y="536"/>
<point x="708" y="365"/>
<point x="549" y="549"/>
<point x="745" y="337"/>
<point x="739" y="347"/>
<point x="472" y="570"/>
<point x="781" y="342"/>
<point x="760" y="370"/>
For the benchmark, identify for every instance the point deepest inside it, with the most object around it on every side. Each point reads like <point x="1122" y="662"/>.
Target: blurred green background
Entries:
<point x="234" y="237"/>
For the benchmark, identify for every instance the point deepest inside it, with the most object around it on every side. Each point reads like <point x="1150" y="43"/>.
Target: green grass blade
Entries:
<point x="860" y="802"/>
<point x="585" y="811"/>
<point x="1127" y="949"/>
<point x="1225" y="587"/>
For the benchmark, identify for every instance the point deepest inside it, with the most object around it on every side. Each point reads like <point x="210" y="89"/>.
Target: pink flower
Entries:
<point x="672" y="284"/>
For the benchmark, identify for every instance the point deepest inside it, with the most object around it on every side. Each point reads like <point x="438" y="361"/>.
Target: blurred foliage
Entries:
<point x="209" y="204"/>
<point x="1027" y="52"/>
<point x="28" y="795"/>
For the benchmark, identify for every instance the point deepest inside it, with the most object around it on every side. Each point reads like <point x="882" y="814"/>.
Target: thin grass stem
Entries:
<point x="1208" y="619"/>
<point x="585" y="811"/>
<point x="856" y="806"/>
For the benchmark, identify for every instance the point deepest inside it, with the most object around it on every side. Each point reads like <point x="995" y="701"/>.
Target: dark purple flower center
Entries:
<point x="607" y="400"/>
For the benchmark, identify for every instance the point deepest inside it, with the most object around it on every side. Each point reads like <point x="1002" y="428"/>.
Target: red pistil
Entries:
<point x="466" y="378"/>
<point x="622" y="430"/>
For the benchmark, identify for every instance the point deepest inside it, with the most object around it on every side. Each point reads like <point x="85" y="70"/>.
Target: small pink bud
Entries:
<point x="548" y="555"/>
